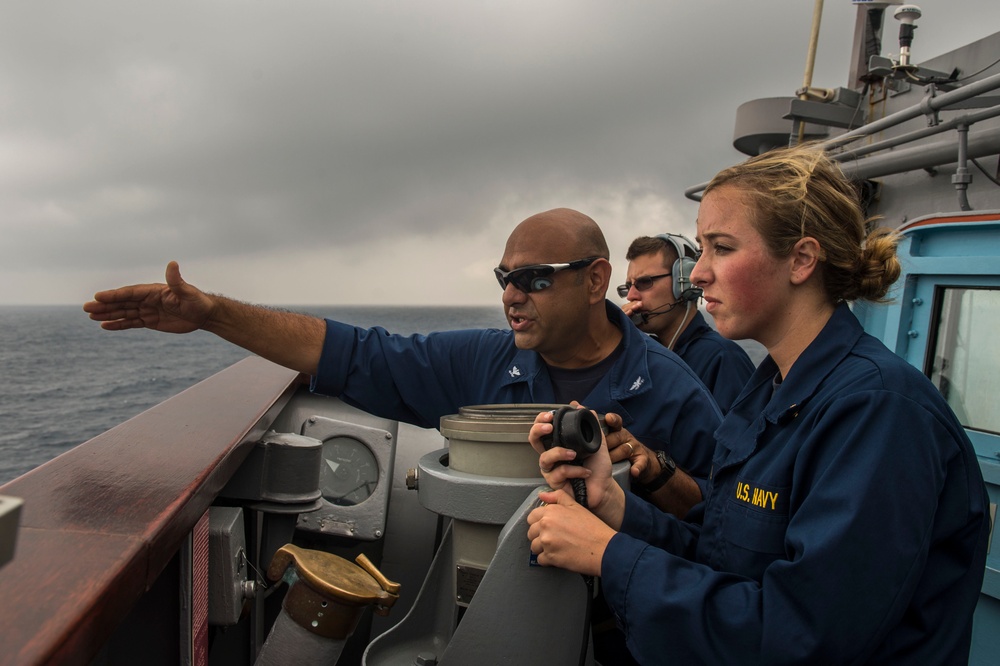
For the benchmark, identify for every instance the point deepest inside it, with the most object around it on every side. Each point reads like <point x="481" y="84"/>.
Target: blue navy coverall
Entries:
<point x="847" y="523"/>
<point x="720" y="363"/>
<point x="420" y="378"/>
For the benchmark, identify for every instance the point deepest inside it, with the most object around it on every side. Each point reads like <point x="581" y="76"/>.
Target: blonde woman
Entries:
<point x="847" y="517"/>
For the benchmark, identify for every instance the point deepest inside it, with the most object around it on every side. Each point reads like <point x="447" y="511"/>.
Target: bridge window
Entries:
<point x="966" y="363"/>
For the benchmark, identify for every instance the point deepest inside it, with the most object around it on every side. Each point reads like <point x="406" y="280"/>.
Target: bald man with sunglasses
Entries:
<point x="566" y="342"/>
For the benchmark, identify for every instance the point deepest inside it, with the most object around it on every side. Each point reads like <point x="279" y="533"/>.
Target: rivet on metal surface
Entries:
<point x="917" y="301"/>
<point x="913" y="333"/>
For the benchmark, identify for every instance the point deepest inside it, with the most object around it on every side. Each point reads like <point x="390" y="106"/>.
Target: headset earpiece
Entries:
<point x="680" y="272"/>
<point x="681" y="275"/>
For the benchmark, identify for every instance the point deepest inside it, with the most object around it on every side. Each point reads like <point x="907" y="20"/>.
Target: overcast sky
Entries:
<point x="368" y="151"/>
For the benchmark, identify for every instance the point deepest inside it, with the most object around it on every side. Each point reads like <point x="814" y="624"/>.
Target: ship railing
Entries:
<point x="105" y="527"/>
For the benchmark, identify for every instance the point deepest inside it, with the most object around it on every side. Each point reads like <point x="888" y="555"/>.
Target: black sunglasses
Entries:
<point x="537" y="277"/>
<point x="642" y="284"/>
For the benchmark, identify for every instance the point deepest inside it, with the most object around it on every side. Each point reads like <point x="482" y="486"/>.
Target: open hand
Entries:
<point x="174" y="307"/>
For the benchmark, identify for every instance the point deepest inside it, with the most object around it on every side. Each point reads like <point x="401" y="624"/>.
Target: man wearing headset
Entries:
<point x="663" y="302"/>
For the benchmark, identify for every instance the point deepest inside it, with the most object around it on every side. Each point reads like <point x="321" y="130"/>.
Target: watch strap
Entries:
<point x="667" y="469"/>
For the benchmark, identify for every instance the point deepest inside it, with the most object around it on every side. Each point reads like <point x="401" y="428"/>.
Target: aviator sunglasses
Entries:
<point x="642" y="284"/>
<point x="537" y="277"/>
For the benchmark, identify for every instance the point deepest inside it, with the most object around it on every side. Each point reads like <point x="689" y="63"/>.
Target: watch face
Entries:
<point x="350" y="471"/>
<point x="667" y="469"/>
<point x="667" y="463"/>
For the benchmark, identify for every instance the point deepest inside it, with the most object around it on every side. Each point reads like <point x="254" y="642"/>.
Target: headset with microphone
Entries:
<point x="680" y="276"/>
<point x="680" y="272"/>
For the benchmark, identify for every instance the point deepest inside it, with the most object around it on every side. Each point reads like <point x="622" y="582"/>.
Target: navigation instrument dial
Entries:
<point x="350" y="471"/>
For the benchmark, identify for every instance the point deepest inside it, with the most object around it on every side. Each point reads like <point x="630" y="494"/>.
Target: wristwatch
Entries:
<point x="667" y="469"/>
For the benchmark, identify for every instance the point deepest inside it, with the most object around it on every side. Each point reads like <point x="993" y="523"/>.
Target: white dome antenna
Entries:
<point x="907" y="16"/>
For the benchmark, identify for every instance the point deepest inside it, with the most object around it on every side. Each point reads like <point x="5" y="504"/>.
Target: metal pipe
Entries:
<point x="926" y="106"/>
<point x="980" y="144"/>
<point x="962" y="177"/>
<point x="924" y="156"/>
<point x="920" y="155"/>
<point x="952" y="123"/>
<point x="799" y="129"/>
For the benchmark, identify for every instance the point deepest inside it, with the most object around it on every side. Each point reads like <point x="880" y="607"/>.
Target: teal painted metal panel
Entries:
<point x="938" y="252"/>
<point x="985" y="637"/>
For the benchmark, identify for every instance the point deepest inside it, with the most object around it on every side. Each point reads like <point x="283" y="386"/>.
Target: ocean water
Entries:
<point x="64" y="380"/>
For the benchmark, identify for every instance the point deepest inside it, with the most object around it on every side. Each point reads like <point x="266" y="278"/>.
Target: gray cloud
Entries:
<point x="353" y="141"/>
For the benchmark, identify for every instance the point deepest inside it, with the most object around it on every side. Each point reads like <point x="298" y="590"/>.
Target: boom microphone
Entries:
<point x="640" y="318"/>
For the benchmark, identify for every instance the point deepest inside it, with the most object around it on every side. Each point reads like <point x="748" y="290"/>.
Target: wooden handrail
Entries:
<point x="101" y="521"/>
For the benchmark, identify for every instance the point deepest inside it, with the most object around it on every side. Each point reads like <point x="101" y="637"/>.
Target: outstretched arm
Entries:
<point x="286" y="338"/>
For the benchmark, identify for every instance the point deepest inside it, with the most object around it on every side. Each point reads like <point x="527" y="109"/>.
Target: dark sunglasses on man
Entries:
<point x="642" y="284"/>
<point x="537" y="277"/>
